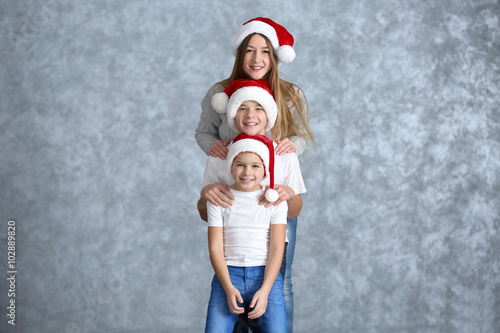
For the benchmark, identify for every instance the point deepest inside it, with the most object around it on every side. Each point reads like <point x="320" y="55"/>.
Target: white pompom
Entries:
<point x="219" y="102"/>
<point x="286" y="54"/>
<point x="272" y="195"/>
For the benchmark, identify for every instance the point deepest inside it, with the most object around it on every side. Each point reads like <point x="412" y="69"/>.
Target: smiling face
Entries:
<point x="251" y="118"/>
<point x="247" y="171"/>
<point x="257" y="58"/>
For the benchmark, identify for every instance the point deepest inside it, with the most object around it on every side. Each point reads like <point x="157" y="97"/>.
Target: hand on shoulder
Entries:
<point x="285" y="146"/>
<point x="219" y="149"/>
<point x="218" y="194"/>
<point x="285" y="193"/>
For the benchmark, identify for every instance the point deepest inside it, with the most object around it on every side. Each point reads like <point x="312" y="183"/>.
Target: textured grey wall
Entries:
<point x="99" y="102"/>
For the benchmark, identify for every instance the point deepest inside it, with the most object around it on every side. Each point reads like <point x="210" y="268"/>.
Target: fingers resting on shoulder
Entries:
<point x="218" y="194"/>
<point x="285" y="146"/>
<point x="219" y="149"/>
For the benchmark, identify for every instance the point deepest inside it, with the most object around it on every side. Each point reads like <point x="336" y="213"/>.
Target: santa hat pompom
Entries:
<point x="286" y="54"/>
<point x="219" y="102"/>
<point x="272" y="195"/>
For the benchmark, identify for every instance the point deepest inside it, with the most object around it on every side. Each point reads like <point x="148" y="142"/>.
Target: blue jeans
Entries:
<point x="286" y="270"/>
<point x="247" y="280"/>
<point x="243" y="323"/>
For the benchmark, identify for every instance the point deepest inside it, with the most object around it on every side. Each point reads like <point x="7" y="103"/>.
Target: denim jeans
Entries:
<point x="286" y="270"/>
<point x="243" y="323"/>
<point x="247" y="280"/>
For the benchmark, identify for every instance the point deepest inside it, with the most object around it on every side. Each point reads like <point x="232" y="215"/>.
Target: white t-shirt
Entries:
<point x="247" y="227"/>
<point x="286" y="172"/>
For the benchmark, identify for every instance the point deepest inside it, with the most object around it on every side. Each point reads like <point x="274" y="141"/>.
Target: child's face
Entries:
<point x="247" y="171"/>
<point x="251" y="118"/>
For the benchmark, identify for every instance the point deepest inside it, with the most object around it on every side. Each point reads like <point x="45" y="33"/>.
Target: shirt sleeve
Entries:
<point x="299" y="143"/>
<point x="214" y="214"/>
<point x="293" y="177"/>
<point x="207" y="132"/>
<point x="280" y="213"/>
<point x="212" y="173"/>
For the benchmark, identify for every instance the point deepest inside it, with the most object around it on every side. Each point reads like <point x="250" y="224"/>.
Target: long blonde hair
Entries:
<point x="287" y="95"/>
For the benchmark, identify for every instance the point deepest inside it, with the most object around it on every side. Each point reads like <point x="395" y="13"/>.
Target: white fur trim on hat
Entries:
<point x="248" y="146"/>
<point x="251" y="93"/>
<point x="254" y="27"/>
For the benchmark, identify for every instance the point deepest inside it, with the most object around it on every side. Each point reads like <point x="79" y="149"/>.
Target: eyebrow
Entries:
<point x="237" y="160"/>
<point x="244" y="104"/>
<point x="252" y="47"/>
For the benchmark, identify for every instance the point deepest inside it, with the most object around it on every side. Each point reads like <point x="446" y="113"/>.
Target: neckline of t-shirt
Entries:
<point x="257" y="193"/>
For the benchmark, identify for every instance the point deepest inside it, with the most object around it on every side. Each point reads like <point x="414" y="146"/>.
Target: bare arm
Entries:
<point x="276" y="248"/>
<point x="202" y="209"/>
<point x="294" y="206"/>
<point x="216" y="248"/>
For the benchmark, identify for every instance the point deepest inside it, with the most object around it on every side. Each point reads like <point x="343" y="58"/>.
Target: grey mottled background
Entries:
<point x="100" y="170"/>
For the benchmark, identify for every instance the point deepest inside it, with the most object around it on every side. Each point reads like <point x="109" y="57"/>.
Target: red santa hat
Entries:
<point x="264" y="148"/>
<point x="280" y="38"/>
<point x="242" y="90"/>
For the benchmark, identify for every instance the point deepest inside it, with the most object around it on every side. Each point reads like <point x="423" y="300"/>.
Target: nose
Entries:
<point x="257" y="56"/>
<point x="251" y="112"/>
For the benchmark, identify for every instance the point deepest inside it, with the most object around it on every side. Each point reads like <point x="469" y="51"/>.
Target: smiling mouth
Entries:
<point x="256" y="68"/>
<point x="250" y="124"/>
<point x="246" y="180"/>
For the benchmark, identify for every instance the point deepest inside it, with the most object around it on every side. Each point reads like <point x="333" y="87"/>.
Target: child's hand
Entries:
<point x="234" y="295"/>
<point x="285" y="194"/>
<point x="219" y="194"/>
<point x="258" y="304"/>
<point x="219" y="149"/>
<point x="285" y="146"/>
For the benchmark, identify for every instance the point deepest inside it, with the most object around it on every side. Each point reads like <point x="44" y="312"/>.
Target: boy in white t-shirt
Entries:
<point x="246" y="243"/>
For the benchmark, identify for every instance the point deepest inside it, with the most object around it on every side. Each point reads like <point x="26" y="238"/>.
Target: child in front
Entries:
<point x="246" y="242"/>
